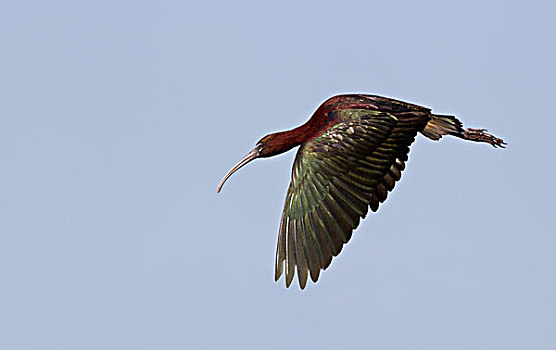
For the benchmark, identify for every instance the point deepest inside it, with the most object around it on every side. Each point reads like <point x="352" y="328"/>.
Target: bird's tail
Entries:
<point x="441" y="125"/>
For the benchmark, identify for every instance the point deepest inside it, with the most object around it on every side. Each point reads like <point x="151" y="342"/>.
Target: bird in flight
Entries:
<point x="352" y="152"/>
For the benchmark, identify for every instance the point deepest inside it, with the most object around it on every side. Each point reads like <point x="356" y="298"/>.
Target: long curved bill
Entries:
<point x="249" y="157"/>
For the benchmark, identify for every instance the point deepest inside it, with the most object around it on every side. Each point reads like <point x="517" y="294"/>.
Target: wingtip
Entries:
<point x="302" y="279"/>
<point x="315" y="275"/>
<point x="278" y="271"/>
<point x="288" y="281"/>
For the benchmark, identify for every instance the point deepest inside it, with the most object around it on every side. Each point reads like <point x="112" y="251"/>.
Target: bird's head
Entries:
<point x="268" y="146"/>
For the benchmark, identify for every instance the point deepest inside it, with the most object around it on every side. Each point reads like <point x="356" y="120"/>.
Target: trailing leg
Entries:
<point x="480" y="135"/>
<point x="441" y="125"/>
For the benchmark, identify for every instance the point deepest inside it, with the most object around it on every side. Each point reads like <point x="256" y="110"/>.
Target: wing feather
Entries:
<point x="335" y="179"/>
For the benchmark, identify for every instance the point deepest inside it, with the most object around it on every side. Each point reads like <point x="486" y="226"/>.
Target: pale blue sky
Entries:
<point x="118" y="119"/>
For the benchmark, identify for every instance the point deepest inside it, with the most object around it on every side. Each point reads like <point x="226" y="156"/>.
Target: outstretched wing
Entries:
<point x="335" y="178"/>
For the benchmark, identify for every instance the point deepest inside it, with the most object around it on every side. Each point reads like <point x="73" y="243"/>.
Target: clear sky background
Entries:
<point x="118" y="119"/>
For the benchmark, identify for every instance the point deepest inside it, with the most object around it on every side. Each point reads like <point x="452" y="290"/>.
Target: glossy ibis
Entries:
<point x="352" y="152"/>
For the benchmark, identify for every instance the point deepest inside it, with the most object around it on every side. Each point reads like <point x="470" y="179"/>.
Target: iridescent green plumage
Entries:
<point x="335" y="178"/>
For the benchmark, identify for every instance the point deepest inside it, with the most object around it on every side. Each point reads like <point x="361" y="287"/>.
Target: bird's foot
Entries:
<point x="480" y="135"/>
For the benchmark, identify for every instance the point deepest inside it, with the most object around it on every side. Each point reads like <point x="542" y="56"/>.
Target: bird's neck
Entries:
<point x="283" y="141"/>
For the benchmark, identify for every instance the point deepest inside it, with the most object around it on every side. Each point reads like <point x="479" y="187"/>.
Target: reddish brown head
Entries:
<point x="268" y="146"/>
<point x="280" y="142"/>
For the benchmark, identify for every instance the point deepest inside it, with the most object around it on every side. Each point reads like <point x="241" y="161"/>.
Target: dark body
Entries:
<point x="352" y="152"/>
